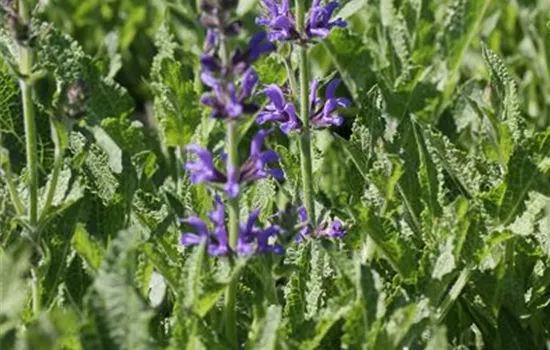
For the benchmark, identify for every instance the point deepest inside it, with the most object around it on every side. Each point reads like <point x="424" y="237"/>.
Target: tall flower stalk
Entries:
<point x="300" y="30"/>
<point x="21" y="22"/>
<point x="232" y="81"/>
<point x="305" y="138"/>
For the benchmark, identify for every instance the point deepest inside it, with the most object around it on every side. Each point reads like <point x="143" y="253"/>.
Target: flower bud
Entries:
<point x="234" y="28"/>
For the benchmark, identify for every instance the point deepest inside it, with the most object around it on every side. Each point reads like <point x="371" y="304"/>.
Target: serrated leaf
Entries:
<point x="66" y="60"/>
<point x="125" y="311"/>
<point x="176" y="104"/>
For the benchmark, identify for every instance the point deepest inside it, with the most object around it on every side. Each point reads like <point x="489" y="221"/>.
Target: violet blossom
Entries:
<point x="278" y="110"/>
<point x="318" y="23"/>
<point x="334" y="229"/>
<point x="281" y="23"/>
<point x="322" y="113"/>
<point x="252" y="239"/>
<point x="203" y="169"/>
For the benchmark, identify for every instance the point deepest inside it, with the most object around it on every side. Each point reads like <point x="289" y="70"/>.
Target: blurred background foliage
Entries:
<point x="120" y="33"/>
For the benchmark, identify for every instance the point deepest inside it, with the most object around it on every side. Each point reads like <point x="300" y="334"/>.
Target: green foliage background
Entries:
<point x="441" y="174"/>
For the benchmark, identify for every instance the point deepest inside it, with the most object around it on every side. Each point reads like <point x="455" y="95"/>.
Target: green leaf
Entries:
<point x="66" y="60"/>
<point x="266" y="331"/>
<point x="388" y="240"/>
<point x="324" y="322"/>
<point x="88" y="249"/>
<point x="177" y="110"/>
<point x="126" y="313"/>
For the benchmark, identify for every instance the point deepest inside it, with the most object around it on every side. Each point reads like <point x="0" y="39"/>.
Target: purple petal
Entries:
<point x="257" y="143"/>
<point x="209" y="80"/>
<point x="269" y="156"/>
<point x="252" y="218"/>
<point x="249" y="81"/>
<point x="190" y="239"/>
<point x="277" y="174"/>
<point x="331" y="88"/>
<point x="198" y="224"/>
<point x="209" y="62"/>
<point x="313" y="86"/>
<point x="275" y="94"/>
<point x="343" y="102"/>
<point x="217" y="216"/>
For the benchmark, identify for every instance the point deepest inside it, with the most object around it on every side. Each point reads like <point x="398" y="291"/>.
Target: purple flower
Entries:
<point x="333" y="230"/>
<point x="305" y="230"/>
<point x="216" y="239"/>
<point x="227" y="100"/>
<point x="278" y="110"/>
<point x="254" y="168"/>
<point x="252" y="239"/>
<point x="282" y="24"/>
<point x="324" y="114"/>
<point x="279" y="20"/>
<point x="203" y="169"/>
<point x="257" y="46"/>
<point x="318" y="23"/>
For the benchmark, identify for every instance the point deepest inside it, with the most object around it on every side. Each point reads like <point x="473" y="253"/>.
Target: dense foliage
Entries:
<point x="439" y="172"/>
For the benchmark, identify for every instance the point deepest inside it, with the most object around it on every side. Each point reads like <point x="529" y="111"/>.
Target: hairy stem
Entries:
<point x="230" y="319"/>
<point x="305" y="139"/>
<point x="25" y="68"/>
<point x="234" y="228"/>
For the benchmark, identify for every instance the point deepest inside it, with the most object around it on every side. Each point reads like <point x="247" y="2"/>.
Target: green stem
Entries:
<point x="25" y="67"/>
<point x="57" y="166"/>
<point x="305" y="139"/>
<point x="234" y="228"/>
<point x="229" y="314"/>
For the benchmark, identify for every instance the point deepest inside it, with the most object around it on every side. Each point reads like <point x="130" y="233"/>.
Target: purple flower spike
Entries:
<point x="279" y="111"/>
<point x="279" y="20"/>
<point x="318" y="24"/>
<point x="324" y="115"/>
<point x="255" y="167"/>
<point x="203" y="169"/>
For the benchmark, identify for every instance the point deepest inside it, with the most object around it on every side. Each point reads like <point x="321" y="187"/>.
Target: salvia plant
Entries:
<point x="274" y="174"/>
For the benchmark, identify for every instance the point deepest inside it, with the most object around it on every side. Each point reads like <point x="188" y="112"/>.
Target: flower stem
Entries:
<point x="229" y="314"/>
<point x="25" y="68"/>
<point x="305" y="139"/>
<point x="234" y="228"/>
